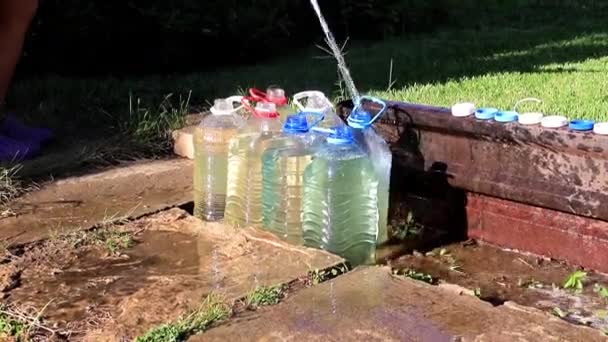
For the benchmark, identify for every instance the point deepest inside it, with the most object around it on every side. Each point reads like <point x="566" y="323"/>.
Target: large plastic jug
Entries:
<point x="314" y="101"/>
<point x="380" y="154"/>
<point x="273" y="94"/>
<point x="283" y="166"/>
<point x="340" y="200"/>
<point x="211" y="141"/>
<point x="244" y="197"/>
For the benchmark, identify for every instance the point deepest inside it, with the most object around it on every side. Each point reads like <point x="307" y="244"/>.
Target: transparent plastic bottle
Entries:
<point x="314" y="101"/>
<point x="276" y="95"/>
<point x="379" y="153"/>
<point x="283" y="166"/>
<point x="244" y="197"/>
<point x="340" y="200"/>
<point x="211" y="141"/>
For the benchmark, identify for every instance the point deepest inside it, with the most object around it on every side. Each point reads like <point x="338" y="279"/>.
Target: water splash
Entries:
<point x="332" y="297"/>
<point x="331" y="41"/>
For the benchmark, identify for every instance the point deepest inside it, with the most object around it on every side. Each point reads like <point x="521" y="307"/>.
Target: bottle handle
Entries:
<point x="257" y="95"/>
<point x="376" y="101"/>
<point x="320" y="117"/>
<point x="246" y="103"/>
<point x="527" y="99"/>
<point x="236" y="99"/>
<point x="306" y="94"/>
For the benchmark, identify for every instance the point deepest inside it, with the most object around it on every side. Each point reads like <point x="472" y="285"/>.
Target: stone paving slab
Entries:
<point x="369" y="304"/>
<point x="82" y="202"/>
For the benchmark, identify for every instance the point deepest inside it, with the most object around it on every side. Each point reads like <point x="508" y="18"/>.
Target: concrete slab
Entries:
<point x="82" y="202"/>
<point x="369" y="304"/>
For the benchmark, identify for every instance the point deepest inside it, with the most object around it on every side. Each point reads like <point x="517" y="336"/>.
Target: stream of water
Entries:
<point x="331" y="41"/>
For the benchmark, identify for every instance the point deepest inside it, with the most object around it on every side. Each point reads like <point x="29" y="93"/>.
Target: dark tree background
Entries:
<point x="75" y="37"/>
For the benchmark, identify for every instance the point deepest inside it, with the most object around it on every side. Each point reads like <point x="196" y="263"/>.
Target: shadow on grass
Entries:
<point x="102" y="109"/>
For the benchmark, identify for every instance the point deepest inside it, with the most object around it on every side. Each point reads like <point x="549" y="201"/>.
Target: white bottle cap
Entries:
<point x="463" y="109"/>
<point x="601" y="128"/>
<point x="530" y="118"/>
<point x="554" y="121"/>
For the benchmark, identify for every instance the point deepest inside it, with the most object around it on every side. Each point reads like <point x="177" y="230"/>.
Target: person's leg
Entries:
<point x="16" y="140"/>
<point x="15" y="19"/>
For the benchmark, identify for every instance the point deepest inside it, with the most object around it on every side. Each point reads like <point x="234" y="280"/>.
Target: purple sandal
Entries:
<point x="13" y="150"/>
<point x="14" y="129"/>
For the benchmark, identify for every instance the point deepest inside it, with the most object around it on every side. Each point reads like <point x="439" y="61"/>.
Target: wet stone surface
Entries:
<point x="81" y="202"/>
<point x="499" y="276"/>
<point x="370" y="304"/>
<point x="176" y="261"/>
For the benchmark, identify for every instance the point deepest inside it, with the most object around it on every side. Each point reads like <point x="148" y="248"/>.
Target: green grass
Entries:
<point x="11" y="328"/>
<point x="264" y="296"/>
<point x="212" y="310"/>
<point x="576" y="281"/>
<point x="557" y="55"/>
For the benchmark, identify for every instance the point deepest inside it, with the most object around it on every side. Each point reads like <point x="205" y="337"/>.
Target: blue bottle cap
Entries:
<point x="506" y="116"/>
<point x="359" y="119"/>
<point x="340" y="135"/>
<point x="581" y="125"/>
<point x="485" y="113"/>
<point x="295" y="124"/>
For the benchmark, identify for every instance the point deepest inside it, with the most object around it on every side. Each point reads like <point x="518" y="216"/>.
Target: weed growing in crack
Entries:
<point x="406" y="229"/>
<point x="530" y="283"/>
<point x="213" y="310"/>
<point x="12" y="329"/>
<point x="264" y="296"/>
<point x="601" y="291"/>
<point x="559" y="312"/>
<point x="575" y="281"/>
<point x="320" y="276"/>
<point x="113" y="241"/>
<point x="10" y="186"/>
<point x="24" y="324"/>
<point x="413" y="274"/>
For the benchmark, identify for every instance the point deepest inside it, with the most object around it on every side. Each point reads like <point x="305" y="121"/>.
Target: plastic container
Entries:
<point x="463" y="109"/>
<point x="554" y="121"/>
<point x="601" y="128"/>
<point x="211" y="141"/>
<point x="316" y="103"/>
<point x="379" y="153"/>
<point x="276" y="95"/>
<point x="283" y="165"/>
<point x="340" y="200"/>
<point x="581" y="125"/>
<point x="243" y="196"/>
<point x="485" y="113"/>
<point x="529" y="118"/>
<point x="506" y="116"/>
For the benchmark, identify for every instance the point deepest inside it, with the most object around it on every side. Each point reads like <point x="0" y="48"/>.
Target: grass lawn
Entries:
<point x="561" y="58"/>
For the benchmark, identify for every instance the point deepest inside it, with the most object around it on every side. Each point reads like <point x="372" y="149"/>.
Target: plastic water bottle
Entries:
<point x="211" y="141"/>
<point x="340" y="200"/>
<point x="380" y="154"/>
<point x="313" y="101"/>
<point x="244" y="197"/>
<point x="273" y="94"/>
<point x="283" y="166"/>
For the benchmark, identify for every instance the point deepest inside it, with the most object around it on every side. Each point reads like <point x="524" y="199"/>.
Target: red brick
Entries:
<point x="577" y="240"/>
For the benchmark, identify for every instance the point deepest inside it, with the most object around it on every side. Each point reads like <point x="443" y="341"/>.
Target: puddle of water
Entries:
<point x="502" y="276"/>
<point x="94" y="281"/>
